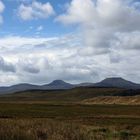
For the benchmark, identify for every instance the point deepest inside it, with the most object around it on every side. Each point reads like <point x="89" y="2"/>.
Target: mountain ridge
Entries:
<point x="116" y="82"/>
<point x="54" y="85"/>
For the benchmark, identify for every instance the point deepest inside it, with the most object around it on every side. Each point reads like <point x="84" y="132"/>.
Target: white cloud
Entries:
<point x="78" y="11"/>
<point x="100" y="20"/>
<point x="118" y="14"/>
<point x="2" y="7"/>
<point x="107" y="45"/>
<point x="45" y="59"/>
<point x="110" y="32"/>
<point x="40" y="28"/>
<point x="35" y="10"/>
<point x="41" y="60"/>
<point x="6" y="67"/>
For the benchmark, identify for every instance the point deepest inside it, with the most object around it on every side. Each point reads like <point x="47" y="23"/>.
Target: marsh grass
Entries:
<point x="47" y="129"/>
<point x="33" y="121"/>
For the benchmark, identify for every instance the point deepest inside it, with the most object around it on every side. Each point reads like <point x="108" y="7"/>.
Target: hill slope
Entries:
<point x="71" y="95"/>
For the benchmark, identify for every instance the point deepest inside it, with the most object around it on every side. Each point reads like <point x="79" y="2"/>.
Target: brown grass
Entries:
<point x="41" y="121"/>
<point x="44" y="129"/>
<point x="129" y="100"/>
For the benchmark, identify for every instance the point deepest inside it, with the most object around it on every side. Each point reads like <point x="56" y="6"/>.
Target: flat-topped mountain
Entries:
<point x="117" y="82"/>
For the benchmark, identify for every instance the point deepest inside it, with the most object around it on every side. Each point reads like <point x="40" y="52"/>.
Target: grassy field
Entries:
<point x="27" y="110"/>
<point x="75" y="95"/>
<point x="76" y="114"/>
<point x="43" y="121"/>
<point x="44" y="129"/>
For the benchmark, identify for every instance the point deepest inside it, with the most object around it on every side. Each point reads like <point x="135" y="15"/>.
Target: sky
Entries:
<point x="72" y="40"/>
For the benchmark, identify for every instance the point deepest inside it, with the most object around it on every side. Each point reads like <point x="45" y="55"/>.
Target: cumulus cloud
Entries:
<point x="29" y="66"/>
<point x="45" y="59"/>
<point x="101" y="20"/>
<point x="119" y="14"/>
<point x="35" y="10"/>
<point x="6" y="67"/>
<point x="63" y="58"/>
<point x="2" y="7"/>
<point x="107" y="44"/>
<point x="78" y="11"/>
<point x="128" y="41"/>
<point x="110" y="32"/>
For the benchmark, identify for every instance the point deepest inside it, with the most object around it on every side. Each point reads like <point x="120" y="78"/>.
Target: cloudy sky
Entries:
<point x="73" y="40"/>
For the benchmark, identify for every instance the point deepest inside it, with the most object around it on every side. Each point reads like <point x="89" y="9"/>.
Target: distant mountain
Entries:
<point x="57" y="84"/>
<point x="84" y="85"/>
<point x="61" y="85"/>
<point x="16" y="88"/>
<point x="118" y="83"/>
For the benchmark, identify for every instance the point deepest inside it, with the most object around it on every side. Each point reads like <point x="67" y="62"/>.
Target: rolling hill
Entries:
<point x="77" y="94"/>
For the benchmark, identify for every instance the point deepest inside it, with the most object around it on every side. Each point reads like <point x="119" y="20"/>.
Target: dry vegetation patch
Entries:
<point x="127" y="100"/>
